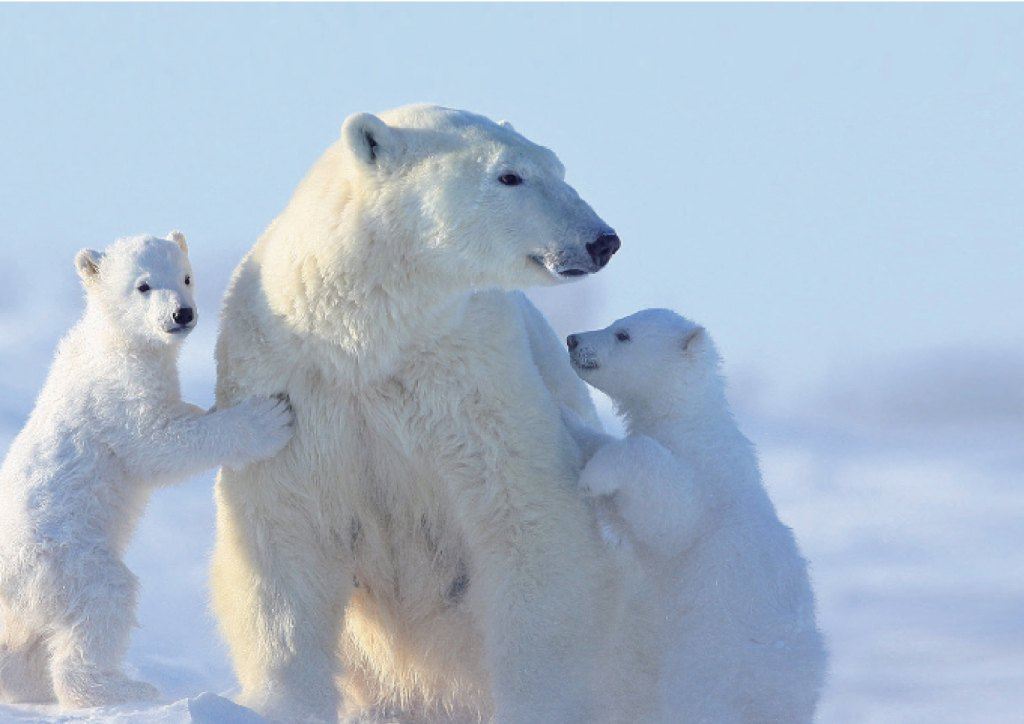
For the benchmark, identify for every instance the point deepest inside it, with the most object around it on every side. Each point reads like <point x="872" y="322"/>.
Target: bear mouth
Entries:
<point x="587" y="364"/>
<point x="181" y="329"/>
<point x="558" y="270"/>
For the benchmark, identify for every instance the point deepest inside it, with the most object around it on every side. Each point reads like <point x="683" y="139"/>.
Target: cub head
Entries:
<point x="647" y="358"/>
<point x="482" y="205"/>
<point x="143" y="286"/>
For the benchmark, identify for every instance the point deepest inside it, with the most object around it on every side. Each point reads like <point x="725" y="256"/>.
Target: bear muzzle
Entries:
<point x="579" y="261"/>
<point x="603" y="248"/>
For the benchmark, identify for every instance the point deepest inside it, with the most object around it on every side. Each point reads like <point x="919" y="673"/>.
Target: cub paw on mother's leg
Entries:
<point x="607" y="471"/>
<point x="262" y="427"/>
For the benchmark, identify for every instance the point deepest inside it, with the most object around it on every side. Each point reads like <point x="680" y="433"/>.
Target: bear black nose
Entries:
<point x="183" y="315"/>
<point x="602" y="248"/>
<point x="572" y="341"/>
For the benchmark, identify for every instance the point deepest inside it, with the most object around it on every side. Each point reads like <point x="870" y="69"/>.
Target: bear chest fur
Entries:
<point x="380" y="461"/>
<point x="410" y="445"/>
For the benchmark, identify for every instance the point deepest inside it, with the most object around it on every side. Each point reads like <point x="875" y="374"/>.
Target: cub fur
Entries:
<point x="108" y="427"/>
<point x="685" y="492"/>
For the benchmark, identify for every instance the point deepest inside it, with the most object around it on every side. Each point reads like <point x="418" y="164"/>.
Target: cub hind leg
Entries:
<point x="24" y="664"/>
<point x="91" y="636"/>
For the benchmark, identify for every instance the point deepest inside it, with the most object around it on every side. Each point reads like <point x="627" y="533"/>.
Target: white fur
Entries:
<point x="741" y="643"/>
<point x="425" y="514"/>
<point x="108" y="427"/>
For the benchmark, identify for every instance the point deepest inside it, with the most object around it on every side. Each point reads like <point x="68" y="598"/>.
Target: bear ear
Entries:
<point x="87" y="262"/>
<point x="506" y="124"/>
<point x="692" y="339"/>
<point x="369" y="138"/>
<point x="178" y="238"/>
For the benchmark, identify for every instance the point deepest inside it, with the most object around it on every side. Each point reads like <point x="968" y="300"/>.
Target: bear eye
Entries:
<point x="622" y="336"/>
<point x="143" y="287"/>
<point x="510" y="179"/>
<point x="188" y="280"/>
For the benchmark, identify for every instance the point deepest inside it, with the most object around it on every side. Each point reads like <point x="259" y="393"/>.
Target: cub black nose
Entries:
<point x="572" y="341"/>
<point x="183" y="315"/>
<point x="602" y="248"/>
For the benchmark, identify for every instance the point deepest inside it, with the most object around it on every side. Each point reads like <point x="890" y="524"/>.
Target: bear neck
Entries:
<point x="97" y="337"/>
<point x="364" y="304"/>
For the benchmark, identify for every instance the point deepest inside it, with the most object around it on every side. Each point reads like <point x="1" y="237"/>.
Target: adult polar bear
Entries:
<point x="424" y="514"/>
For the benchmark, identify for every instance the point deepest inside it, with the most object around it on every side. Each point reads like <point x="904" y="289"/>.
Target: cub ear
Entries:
<point x="178" y="238"/>
<point x="369" y="138"/>
<point x="692" y="339"/>
<point x="87" y="262"/>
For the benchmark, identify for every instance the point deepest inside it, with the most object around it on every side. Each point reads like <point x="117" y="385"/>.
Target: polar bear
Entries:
<point x="424" y="519"/>
<point x="684" y="490"/>
<point x="108" y="427"/>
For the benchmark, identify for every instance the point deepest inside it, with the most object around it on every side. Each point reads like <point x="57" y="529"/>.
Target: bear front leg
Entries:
<point x="588" y="438"/>
<point x="539" y="587"/>
<point x="279" y="601"/>
<point x="190" y="442"/>
<point x="655" y="493"/>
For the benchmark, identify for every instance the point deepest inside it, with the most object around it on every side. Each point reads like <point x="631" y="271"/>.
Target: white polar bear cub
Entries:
<point x="684" y="491"/>
<point x="108" y="426"/>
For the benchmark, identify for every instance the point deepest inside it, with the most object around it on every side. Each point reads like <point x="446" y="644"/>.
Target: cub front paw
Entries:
<point x="604" y="474"/>
<point x="266" y="424"/>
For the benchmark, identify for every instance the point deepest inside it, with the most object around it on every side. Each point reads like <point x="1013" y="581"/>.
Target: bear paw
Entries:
<point x="274" y="705"/>
<point x="88" y="689"/>
<point x="264" y="427"/>
<point x="605" y="473"/>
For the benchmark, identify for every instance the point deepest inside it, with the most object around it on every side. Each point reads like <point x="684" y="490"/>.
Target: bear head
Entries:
<point x="479" y="189"/>
<point x="450" y="196"/>
<point x="647" y="359"/>
<point x="142" y="286"/>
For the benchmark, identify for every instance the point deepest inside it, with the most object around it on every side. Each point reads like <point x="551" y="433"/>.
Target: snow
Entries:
<point x="907" y="501"/>
<point x="206" y="708"/>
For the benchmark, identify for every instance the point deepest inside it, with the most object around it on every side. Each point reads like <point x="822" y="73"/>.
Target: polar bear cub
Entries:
<point x="684" y="491"/>
<point x="108" y="427"/>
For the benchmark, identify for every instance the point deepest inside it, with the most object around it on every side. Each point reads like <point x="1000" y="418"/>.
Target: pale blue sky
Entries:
<point x="818" y="184"/>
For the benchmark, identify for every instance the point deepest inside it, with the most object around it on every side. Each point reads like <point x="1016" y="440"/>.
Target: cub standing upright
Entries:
<point x="108" y="427"/>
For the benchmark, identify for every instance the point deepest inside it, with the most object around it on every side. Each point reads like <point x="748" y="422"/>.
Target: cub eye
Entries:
<point x="143" y="287"/>
<point x="510" y="179"/>
<point x="622" y="336"/>
<point x="188" y="280"/>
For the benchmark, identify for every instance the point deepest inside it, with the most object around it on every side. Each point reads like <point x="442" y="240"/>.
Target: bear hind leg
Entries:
<point x="88" y="645"/>
<point x="24" y="665"/>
